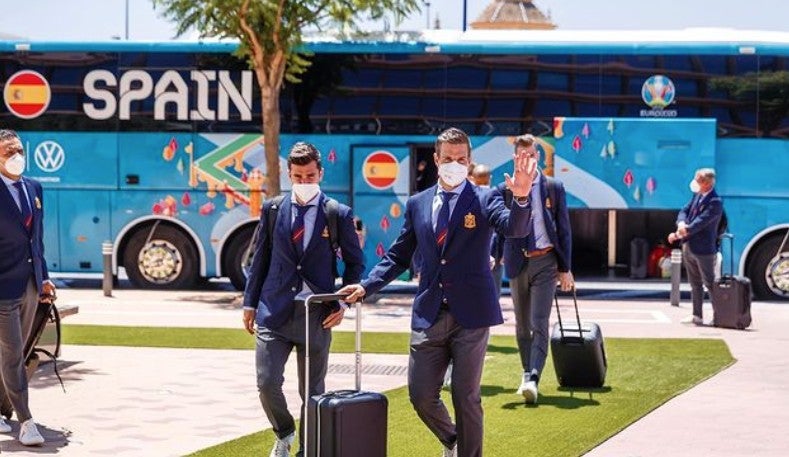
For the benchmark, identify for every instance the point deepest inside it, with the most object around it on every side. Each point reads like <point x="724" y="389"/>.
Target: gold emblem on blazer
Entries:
<point x="548" y="203"/>
<point x="38" y="203"/>
<point x="470" y="221"/>
<point x="325" y="232"/>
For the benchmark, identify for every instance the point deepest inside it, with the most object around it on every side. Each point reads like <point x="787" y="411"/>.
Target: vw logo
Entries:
<point x="49" y="156"/>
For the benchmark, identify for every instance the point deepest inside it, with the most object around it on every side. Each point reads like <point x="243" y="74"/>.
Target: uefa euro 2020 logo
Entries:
<point x="658" y="91"/>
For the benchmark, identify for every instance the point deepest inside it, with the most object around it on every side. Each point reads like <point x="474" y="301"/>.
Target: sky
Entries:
<point x="66" y="20"/>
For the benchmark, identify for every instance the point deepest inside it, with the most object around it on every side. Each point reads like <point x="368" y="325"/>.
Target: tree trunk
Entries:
<point x="271" y="125"/>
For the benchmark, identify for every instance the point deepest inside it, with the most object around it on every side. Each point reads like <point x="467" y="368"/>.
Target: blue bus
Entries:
<point x="157" y="146"/>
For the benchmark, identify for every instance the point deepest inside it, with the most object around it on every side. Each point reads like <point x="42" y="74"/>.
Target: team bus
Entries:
<point x="157" y="147"/>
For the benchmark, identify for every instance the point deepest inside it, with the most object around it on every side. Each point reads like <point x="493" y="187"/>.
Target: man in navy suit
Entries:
<point x="24" y="279"/>
<point x="697" y="228"/>
<point x="296" y="261"/>
<point x="449" y="225"/>
<point x="534" y="264"/>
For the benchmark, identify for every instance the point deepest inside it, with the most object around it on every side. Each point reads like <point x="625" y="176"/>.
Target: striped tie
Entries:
<point x="24" y="206"/>
<point x="442" y="223"/>
<point x="297" y="231"/>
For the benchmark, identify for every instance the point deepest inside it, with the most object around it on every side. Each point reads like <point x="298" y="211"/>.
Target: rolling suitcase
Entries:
<point x="731" y="297"/>
<point x="578" y="351"/>
<point x="639" y="258"/>
<point x="344" y="423"/>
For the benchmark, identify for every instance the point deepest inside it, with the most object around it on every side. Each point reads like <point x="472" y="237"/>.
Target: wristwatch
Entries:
<point x="522" y="200"/>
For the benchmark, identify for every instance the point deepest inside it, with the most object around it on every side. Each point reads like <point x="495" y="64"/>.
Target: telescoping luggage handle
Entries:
<point x="324" y="298"/>
<point x="577" y="316"/>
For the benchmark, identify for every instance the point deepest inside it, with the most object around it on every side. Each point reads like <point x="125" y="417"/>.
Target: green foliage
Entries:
<point x="770" y="89"/>
<point x="276" y="25"/>
<point x="643" y="374"/>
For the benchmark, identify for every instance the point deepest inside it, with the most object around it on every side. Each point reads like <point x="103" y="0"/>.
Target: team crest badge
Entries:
<point x="38" y="203"/>
<point x="470" y="221"/>
<point x="325" y="233"/>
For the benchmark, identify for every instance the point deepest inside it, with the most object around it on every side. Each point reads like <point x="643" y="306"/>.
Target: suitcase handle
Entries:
<point x="577" y="316"/>
<point x="324" y="298"/>
<point x="731" y="251"/>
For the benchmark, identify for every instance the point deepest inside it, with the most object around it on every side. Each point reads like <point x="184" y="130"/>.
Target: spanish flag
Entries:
<point x="26" y="94"/>
<point x="380" y="169"/>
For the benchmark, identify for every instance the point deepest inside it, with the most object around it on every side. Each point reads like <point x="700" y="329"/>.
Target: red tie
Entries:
<point x="442" y="223"/>
<point x="297" y="231"/>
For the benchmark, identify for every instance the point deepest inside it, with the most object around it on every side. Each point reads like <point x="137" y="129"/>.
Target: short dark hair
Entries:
<point x="525" y="140"/>
<point x="302" y="153"/>
<point x="8" y="134"/>
<point x="452" y="135"/>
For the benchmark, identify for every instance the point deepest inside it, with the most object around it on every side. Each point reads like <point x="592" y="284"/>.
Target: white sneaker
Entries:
<point x="28" y="434"/>
<point x="530" y="393"/>
<point x="450" y="452"/>
<point x="4" y="427"/>
<point x="282" y="446"/>
<point x="528" y="389"/>
<point x="695" y="320"/>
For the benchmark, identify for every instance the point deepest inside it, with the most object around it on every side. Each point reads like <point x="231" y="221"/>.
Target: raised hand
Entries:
<point x="523" y="174"/>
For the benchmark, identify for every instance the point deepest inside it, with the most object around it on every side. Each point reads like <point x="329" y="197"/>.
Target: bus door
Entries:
<point x="423" y="166"/>
<point x="380" y="183"/>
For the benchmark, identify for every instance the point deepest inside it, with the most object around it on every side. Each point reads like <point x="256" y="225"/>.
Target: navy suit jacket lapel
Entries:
<point x="283" y="225"/>
<point x="10" y="205"/>
<point x="425" y="218"/>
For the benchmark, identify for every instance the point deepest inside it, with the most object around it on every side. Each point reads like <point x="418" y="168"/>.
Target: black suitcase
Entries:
<point x="731" y="297"/>
<point x="578" y="351"/>
<point x="639" y="258"/>
<point x="345" y="423"/>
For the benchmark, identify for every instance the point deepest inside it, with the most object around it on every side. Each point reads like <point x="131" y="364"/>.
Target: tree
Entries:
<point x="270" y="39"/>
<point x="768" y="89"/>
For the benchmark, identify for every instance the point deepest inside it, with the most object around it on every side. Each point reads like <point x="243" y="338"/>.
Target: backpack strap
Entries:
<point x="331" y="208"/>
<point x="551" y="184"/>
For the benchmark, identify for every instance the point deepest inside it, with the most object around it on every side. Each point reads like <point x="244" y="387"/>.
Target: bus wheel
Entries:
<point x="161" y="257"/>
<point x="236" y="263"/>
<point x="769" y="272"/>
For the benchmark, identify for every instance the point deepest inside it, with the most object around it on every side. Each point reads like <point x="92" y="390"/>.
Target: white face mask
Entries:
<point x="306" y="192"/>
<point x="694" y="186"/>
<point x="452" y="173"/>
<point x="15" y="165"/>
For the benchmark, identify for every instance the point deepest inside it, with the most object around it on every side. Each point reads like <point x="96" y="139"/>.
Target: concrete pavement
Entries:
<point x="152" y="402"/>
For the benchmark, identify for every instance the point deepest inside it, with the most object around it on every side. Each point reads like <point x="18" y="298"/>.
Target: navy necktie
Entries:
<point x="24" y="206"/>
<point x="442" y="223"/>
<point x="297" y="232"/>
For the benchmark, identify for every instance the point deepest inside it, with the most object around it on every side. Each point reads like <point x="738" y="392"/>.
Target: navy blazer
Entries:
<point x="703" y="226"/>
<point x="273" y="294"/>
<point x="559" y="232"/>
<point x="461" y="272"/>
<point x="21" y="253"/>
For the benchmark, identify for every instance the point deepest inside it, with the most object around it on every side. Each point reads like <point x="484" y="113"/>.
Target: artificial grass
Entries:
<point x="642" y="375"/>
<point x="215" y="338"/>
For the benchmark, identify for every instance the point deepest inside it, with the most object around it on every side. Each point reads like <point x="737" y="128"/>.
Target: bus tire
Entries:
<point x="168" y="260"/>
<point x="765" y="268"/>
<point x="234" y="257"/>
